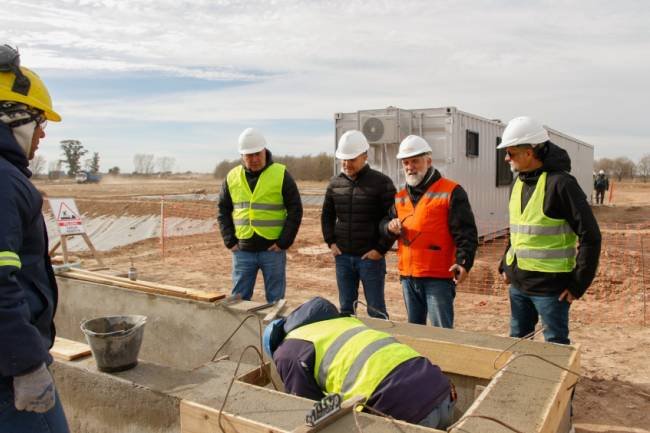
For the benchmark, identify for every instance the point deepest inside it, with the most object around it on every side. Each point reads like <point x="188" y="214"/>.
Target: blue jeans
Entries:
<point x="13" y="420"/>
<point x="432" y="297"/>
<point x="351" y="269"/>
<point x="441" y="416"/>
<point x="526" y="309"/>
<point x="245" y="265"/>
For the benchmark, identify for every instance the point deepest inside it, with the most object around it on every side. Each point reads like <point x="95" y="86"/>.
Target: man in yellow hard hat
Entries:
<point x="28" y="291"/>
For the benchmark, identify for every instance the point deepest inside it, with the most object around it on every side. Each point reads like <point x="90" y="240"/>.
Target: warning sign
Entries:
<point x="67" y="216"/>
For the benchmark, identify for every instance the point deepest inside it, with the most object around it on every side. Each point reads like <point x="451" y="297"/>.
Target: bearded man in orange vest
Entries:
<point x="437" y="236"/>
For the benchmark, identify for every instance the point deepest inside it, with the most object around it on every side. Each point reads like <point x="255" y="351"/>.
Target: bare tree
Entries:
<point x="623" y="167"/>
<point x="143" y="163"/>
<point x="165" y="164"/>
<point x="54" y="169"/>
<point x="643" y="167"/>
<point x="37" y="165"/>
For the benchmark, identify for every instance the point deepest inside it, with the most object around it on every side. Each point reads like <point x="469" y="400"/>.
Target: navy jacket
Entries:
<point x="28" y="295"/>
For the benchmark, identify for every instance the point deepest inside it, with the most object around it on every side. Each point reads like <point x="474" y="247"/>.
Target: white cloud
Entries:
<point x="580" y="67"/>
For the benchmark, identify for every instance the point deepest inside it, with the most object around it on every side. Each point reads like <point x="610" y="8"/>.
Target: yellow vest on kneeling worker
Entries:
<point x="351" y="358"/>
<point x="261" y="211"/>
<point x="539" y="242"/>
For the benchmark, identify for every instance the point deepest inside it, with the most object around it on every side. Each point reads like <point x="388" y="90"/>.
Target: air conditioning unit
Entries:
<point x="387" y="126"/>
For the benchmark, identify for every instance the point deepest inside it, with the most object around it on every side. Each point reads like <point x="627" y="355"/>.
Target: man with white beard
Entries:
<point x="437" y="236"/>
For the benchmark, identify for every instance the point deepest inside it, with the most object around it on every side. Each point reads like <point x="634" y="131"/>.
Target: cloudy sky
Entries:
<point x="184" y="78"/>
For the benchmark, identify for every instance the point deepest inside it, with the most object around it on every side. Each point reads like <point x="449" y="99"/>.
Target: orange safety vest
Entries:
<point x="425" y="246"/>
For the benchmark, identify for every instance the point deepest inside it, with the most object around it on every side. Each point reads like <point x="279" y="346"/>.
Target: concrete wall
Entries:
<point x="179" y="333"/>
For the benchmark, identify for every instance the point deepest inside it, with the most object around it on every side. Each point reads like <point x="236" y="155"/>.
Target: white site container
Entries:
<point x="450" y="132"/>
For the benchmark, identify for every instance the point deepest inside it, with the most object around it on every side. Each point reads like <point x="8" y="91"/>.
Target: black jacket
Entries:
<point x="461" y="218"/>
<point x="292" y="202"/>
<point x="28" y="292"/>
<point x="563" y="199"/>
<point x="353" y="209"/>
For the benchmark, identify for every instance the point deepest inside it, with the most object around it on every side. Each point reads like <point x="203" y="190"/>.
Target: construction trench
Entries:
<point x="503" y="385"/>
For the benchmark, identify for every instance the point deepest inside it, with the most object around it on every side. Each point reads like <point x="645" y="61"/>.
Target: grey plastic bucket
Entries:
<point x="115" y="340"/>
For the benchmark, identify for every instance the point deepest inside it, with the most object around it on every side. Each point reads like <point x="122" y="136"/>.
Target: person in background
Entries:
<point x="601" y="184"/>
<point x="259" y="214"/>
<point x="437" y="236"/>
<point x="356" y="200"/>
<point x="552" y="256"/>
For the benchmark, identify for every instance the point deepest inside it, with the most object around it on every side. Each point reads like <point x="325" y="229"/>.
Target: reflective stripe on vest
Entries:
<point x="351" y="358"/>
<point x="539" y="242"/>
<point x="261" y="211"/>
<point x="425" y="247"/>
<point x="9" y="258"/>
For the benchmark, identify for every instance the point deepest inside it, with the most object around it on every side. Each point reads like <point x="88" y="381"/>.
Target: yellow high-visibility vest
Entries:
<point x="539" y="242"/>
<point x="351" y="358"/>
<point x="261" y="211"/>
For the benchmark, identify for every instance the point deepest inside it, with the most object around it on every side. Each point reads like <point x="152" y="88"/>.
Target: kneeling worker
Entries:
<point x="318" y="352"/>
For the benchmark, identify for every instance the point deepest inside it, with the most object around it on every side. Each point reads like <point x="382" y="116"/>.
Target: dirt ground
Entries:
<point x="612" y="396"/>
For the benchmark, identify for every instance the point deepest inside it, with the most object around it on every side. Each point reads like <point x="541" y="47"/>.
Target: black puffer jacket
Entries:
<point x="292" y="203"/>
<point x="563" y="199"/>
<point x="353" y="209"/>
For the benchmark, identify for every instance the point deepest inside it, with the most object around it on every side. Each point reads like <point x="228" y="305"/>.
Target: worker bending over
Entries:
<point x="317" y="352"/>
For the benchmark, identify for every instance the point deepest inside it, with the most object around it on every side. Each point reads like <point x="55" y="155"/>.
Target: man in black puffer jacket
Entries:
<point x="355" y="202"/>
<point x="554" y="245"/>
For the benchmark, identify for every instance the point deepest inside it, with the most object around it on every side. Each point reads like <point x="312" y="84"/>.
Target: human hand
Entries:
<point x="505" y="277"/>
<point x="274" y="247"/>
<point x="372" y="255"/>
<point x="335" y="250"/>
<point x="567" y="296"/>
<point x="235" y="248"/>
<point x="34" y="392"/>
<point x="395" y="226"/>
<point x="460" y="273"/>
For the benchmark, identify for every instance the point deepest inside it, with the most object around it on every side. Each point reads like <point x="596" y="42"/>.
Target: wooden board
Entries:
<point x="458" y="358"/>
<point x="273" y="313"/>
<point x="68" y="350"/>
<point x="198" y="418"/>
<point x="145" y="286"/>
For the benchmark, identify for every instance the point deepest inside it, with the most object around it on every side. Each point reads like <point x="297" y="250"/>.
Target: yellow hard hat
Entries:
<point x="30" y="91"/>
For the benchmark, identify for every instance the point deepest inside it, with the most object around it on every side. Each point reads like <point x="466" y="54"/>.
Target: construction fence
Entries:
<point x="162" y="228"/>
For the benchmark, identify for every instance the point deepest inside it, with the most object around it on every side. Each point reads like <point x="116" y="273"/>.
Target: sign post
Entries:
<point x="68" y="220"/>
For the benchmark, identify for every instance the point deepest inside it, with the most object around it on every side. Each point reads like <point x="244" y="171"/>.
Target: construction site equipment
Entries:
<point x="326" y="411"/>
<point x="463" y="149"/>
<point x="351" y="144"/>
<point x="68" y="350"/>
<point x="251" y="141"/>
<point x="132" y="274"/>
<point x="115" y="341"/>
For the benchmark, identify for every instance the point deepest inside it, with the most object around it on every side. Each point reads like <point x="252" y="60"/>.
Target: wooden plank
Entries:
<point x="198" y="418"/>
<point x="273" y="313"/>
<point x="145" y="286"/>
<point x="68" y="350"/>
<point x="457" y="358"/>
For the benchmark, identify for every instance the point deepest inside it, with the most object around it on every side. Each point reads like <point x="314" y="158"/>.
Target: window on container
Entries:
<point x="504" y="174"/>
<point x="471" y="143"/>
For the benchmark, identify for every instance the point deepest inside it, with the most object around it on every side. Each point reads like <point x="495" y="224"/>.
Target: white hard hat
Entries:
<point x="601" y="172"/>
<point x="523" y="130"/>
<point x="251" y="141"/>
<point x="351" y="144"/>
<point x="413" y="145"/>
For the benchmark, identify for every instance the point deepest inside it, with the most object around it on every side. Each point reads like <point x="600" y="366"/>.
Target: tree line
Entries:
<point x="623" y="167"/>
<point x="306" y="167"/>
